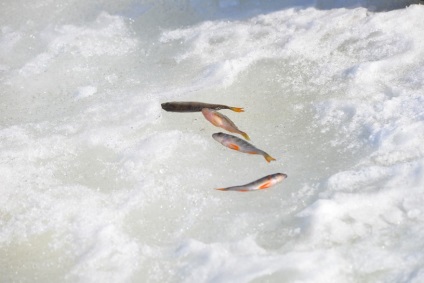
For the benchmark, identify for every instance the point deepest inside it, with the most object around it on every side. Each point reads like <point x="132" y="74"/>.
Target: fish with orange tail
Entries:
<point x="222" y="121"/>
<point x="191" y="106"/>
<point x="238" y="144"/>
<point x="260" y="184"/>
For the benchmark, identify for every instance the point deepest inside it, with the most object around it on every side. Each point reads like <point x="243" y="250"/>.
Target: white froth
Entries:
<point x="85" y="91"/>
<point x="108" y="35"/>
<point x="99" y="184"/>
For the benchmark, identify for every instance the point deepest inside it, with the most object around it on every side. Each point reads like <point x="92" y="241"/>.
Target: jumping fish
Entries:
<point x="260" y="184"/>
<point x="222" y="121"/>
<point x="190" y="106"/>
<point x="238" y="144"/>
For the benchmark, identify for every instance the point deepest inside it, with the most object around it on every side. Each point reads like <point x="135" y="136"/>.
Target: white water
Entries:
<point x="99" y="184"/>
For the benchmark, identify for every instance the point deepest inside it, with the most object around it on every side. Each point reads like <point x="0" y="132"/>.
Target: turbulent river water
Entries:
<point x="99" y="184"/>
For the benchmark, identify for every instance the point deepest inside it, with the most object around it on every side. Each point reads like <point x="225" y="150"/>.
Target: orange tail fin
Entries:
<point x="269" y="158"/>
<point x="246" y="136"/>
<point x="237" y="109"/>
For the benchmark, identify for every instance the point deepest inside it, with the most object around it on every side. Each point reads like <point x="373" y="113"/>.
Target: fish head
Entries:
<point x="211" y="116"/>
<point x="167" y="106"/>
<point x="207" y="112"/>
<point x="280" y="177"/>
<point x="219" y="137"/>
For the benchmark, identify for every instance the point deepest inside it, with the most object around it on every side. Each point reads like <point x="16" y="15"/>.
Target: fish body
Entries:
<point x="222" y="121"/>
<point x="238" y="144"/>
<point x="260" y="184"/>
<point x="191" y="106"/>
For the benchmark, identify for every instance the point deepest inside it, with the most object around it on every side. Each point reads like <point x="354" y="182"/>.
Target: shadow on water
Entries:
<point x="372" y="5"/>
<point x="188" y="12"/>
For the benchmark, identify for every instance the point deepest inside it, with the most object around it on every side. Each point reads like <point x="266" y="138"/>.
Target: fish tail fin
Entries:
<point x="246" y="136"/>
<point x="237" y="109"/>
<point x="269" y="158"/>
<point x="221" y="189"/>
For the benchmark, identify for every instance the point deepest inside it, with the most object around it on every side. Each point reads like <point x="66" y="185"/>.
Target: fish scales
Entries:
<point x="260" y="184"/>
<point x="193" y="106"/>
<point x="238" y="144"/>
<point x="220" y="120"/>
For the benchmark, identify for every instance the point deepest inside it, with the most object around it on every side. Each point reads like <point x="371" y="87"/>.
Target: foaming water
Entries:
<point x="100" y="184"/>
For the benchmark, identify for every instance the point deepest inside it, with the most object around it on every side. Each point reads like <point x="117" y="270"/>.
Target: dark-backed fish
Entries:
<point x="190" y="106"/>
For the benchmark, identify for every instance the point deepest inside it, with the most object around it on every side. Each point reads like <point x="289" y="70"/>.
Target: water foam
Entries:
<point x="100" y="184"/>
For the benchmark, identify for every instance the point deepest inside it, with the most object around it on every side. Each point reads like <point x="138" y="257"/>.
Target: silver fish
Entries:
<point x="260" y="184"/>
<point x="238" y="144"/>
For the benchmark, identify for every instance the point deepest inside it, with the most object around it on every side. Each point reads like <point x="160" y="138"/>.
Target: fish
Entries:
<point x="260" y="184"/>
<point x="191" y="106"/>
<point x="222" y="121"/>
<point x="238" y="144"/>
